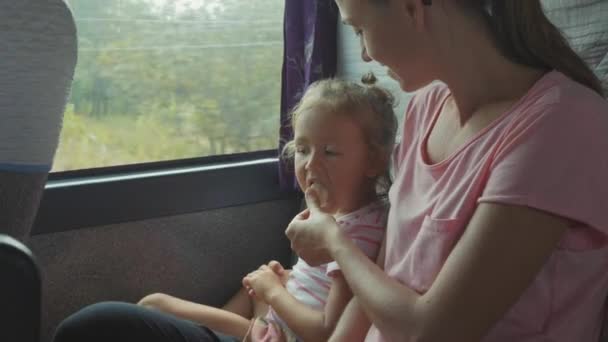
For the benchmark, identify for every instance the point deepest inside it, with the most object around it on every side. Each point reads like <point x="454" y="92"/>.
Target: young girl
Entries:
<point x="343" y="135"/>
<point x="343" y="138"/>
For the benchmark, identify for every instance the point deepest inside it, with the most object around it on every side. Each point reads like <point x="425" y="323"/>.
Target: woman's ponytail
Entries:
<point x="526" y="36"/>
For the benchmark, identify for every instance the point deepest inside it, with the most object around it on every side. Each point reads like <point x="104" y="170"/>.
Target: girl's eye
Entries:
<point x="358" y="32"/>
<point x="300" y="150"/>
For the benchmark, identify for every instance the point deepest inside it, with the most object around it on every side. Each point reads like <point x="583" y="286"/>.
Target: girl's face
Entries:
<point x="392" y="34"/>
<point x="332" y="154"/>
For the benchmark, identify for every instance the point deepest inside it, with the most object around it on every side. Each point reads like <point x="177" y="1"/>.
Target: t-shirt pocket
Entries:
<point x="429" y="251"/>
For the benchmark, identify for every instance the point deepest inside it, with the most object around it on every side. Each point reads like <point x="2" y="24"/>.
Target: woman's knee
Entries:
<point x="125" y="322"/>
<point x="85" y="324"/>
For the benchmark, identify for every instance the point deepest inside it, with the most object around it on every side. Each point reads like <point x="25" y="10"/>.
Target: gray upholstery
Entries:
<point x="37" y="61"/>
<point x="585" y="24"/>
<point x="200" y="256"/>
<point x="20" y="195"/>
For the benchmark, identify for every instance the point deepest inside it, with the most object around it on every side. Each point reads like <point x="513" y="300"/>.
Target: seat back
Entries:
<point x="20" y="292"/>
<point x="584" y="24"/>
<point x="37" y="61"/>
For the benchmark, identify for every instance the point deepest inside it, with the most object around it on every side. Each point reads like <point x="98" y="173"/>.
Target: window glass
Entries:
<point x="171" y="79"/>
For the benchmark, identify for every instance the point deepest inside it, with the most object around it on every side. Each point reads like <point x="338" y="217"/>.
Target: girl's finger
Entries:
<point x="276" y="267"/>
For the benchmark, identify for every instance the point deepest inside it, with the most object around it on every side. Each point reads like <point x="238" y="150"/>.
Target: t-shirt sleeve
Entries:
<point x="424" y="101"/>
<point x="555" y="158"/>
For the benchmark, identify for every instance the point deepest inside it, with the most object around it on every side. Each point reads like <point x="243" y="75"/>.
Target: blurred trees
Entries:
<point x="170" y="79"/>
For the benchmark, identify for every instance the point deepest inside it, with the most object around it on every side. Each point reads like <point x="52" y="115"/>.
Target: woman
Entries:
<point x="498" y="229"/>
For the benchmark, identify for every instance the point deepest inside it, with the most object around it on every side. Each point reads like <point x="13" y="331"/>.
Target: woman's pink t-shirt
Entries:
<point x="549" y="152"/>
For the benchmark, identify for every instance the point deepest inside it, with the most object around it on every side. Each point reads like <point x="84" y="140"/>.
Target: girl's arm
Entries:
<point x="213" y="318"/>
<point x="496" y="259"/>
<point x="305" y="322"/>
<point x="354" y="324"/>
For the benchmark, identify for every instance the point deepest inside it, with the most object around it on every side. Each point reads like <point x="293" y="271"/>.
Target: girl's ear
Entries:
<point x="377" y="164"/>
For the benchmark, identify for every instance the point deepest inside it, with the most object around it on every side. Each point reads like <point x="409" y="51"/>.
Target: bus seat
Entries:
<point x="584" y="24"/>
<point x="20" y="292"/>
<point x="37" y="62"/>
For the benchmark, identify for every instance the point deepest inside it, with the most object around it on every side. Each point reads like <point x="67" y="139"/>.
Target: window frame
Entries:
<point x="90" y="197"/>
<point x="103" y="196"/>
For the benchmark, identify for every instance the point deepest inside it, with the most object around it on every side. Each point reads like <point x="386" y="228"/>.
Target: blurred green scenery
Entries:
<point x="172" y="79"/>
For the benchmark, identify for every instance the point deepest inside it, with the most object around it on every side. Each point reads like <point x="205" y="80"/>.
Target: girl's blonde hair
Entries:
<point x="369" y="105"/>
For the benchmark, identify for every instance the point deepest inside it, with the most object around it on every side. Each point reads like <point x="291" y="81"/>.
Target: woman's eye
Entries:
<point x="330" y="152"/>
<point x="358" y="32"/>
<point x="300" y="150"/>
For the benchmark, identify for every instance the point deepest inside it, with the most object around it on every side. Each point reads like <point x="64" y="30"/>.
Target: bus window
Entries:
<point x="172" y="79"/>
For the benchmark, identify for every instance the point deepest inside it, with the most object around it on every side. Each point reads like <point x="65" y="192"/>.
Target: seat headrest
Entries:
<point x="38" y="53"/>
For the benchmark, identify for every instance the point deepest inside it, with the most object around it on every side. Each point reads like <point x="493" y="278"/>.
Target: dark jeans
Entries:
<point x="124" y="322"/>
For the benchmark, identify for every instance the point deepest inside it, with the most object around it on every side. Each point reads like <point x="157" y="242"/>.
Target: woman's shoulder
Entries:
<point x="429" y="96"/>
<point x="558" y="105"/>
<point x="426" y="100"/>
<point x="557" y="93"/>
<point x="556" y="133"/>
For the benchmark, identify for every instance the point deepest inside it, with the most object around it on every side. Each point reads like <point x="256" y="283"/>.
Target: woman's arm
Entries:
<point x="496" y="259"/>
<point x="307" y="323"/>
<point x="353" y="324"/>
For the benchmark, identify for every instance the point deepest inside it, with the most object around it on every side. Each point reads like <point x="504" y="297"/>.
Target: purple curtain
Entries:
<point x="309" y="55"/>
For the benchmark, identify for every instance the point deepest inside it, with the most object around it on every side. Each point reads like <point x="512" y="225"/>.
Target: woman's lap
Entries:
<point x="124" y="322"/>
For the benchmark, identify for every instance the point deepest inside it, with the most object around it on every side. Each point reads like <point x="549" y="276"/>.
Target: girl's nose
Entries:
<point x="313" y="160"/>
<point x="364" y="56"/>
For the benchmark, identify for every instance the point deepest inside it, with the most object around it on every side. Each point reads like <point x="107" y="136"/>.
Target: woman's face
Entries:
<point x="392" y="34"/>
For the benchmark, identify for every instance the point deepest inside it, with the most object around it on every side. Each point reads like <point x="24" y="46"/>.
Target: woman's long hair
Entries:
<point x="526" y="36"/>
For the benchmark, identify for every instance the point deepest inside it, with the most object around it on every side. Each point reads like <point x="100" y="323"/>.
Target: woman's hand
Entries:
<point x="263" y="283"/>
<point x="314" y="233"/>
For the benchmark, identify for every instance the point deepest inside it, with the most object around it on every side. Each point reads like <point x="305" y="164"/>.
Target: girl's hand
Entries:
<point x="278" y="269"/>
<point x="263" y="283"/>
<point x="313" y="233"/>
